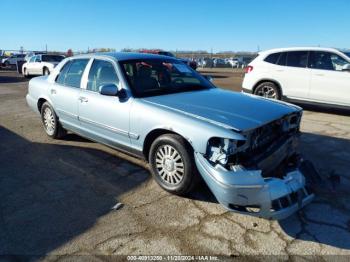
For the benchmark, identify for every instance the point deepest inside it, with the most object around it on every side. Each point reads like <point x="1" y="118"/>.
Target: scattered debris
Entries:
<point x="255" y="224"/>
<point x="117" y="206"/>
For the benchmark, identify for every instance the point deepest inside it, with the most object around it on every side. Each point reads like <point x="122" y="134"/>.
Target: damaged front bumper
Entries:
<point x="248" y="192"/>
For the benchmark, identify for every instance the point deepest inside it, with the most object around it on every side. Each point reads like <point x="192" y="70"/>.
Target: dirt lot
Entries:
<point x="56" y="196"/>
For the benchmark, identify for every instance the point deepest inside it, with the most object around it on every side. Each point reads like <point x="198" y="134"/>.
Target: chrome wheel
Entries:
<point x="267" y="91"/>
<point x="169" y="164"/>
<point x="49" y="121"/>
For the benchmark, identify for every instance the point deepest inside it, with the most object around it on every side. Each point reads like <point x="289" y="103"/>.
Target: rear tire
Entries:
<point x="172" y="164"/>
<point x="25" y="73"/>
<point x="52" y="126"/>
<point x="46" y="71"/>
<point x="268" y="90"/>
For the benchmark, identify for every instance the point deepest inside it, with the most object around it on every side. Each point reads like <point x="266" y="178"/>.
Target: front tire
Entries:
<point x="268" y="90"/>
<point x="50" y="121"/>
<point x="172" y="164"/>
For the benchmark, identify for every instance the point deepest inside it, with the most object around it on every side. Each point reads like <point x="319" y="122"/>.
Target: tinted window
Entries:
<point x="326" y="61"/>
<point x="297" y="58"/>
<point x="101" y="73"/>
<point x="272" y="58"/>
<point x="75" y="72"/>
<point x="52" y="58"/>
<point x="282" y="59"/>
<point x="32" y="59"/>
<point x="61" y="77"/>
<point x="37" y="58"/>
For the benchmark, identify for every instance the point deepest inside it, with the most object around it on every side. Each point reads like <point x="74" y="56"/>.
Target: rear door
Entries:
<point x="294" y="74"/>
<point x="329" y="83"/>
<point x="66" y="90"/>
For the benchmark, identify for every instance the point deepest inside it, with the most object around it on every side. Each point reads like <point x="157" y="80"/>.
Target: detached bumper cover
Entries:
<point x="246" y="191"/>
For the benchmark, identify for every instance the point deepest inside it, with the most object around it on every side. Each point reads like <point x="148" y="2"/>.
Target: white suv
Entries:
<point x="312" y="75"/>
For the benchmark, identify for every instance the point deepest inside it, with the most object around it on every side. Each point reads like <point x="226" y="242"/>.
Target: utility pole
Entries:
<point x="46" y="48"/>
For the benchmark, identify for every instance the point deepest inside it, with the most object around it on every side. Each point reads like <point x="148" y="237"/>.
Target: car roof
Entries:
<point x="123" y="56"/>
<point x="275" y="50"/>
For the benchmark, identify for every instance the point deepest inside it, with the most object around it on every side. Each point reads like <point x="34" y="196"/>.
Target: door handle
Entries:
<point x="319" y="74"/>
<point x="53" y="92"/>
<point x="280" y="70"/>
<point x="83" y="99"/>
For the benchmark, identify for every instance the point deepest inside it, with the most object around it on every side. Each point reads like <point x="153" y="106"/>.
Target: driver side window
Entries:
<point x="32" y="59"/>
<point x="326" y="61"/>
<point x="101" y="73"/>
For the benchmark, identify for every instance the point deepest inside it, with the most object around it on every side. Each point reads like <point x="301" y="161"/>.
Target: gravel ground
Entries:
<point x="57" y="195"/>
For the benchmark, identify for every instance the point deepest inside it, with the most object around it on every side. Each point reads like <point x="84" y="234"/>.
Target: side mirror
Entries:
<point x="346" y="67"/>
<point x="109" y="90"/>
<point x="209" y="78"/>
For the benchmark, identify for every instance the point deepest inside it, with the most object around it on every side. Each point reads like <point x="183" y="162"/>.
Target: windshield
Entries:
<point x="347" y="54"/>
<point x="151" y="77"/>
<point x="52" y="58"/>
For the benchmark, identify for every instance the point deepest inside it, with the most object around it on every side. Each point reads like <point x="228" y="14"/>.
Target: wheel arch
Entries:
<point x="45" y="67"/>
<point x="41" y="101"/>
<point x="153" y="135"/>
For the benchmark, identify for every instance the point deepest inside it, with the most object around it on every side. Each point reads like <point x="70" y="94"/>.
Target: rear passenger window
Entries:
<point x="61" y="77"/>
<point x="272" y="58"/>
<point x="282" y="59"/>
<point x="72" y="72"/>
<point x="297" y="58"/>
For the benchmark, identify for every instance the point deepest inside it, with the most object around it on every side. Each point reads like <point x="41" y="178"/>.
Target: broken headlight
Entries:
<point x="220" y="149"/>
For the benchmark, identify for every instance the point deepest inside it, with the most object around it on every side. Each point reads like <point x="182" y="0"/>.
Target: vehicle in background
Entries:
<point x="13" y="59"/>
<point x="41" y="64"/>
<point x="243" y="146"/>
<point x="191" y="63"/>
<point x="2" y="58"/>
<point x="313" y="75"/>
<point x="233" y="62"/>
<point x="219" y="62"/>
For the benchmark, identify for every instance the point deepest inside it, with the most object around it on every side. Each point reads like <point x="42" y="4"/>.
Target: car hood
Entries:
<point x="225" y="108"/>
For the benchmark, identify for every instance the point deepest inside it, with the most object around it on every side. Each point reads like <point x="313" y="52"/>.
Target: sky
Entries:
<point x="220" y="25"/>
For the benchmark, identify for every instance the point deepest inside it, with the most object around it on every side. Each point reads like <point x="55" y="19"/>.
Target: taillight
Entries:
<point x="248" y="69"/>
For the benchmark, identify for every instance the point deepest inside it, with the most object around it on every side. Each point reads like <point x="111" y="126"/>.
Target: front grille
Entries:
<point x="263" y="136"/>
<point x="291" y="199"/>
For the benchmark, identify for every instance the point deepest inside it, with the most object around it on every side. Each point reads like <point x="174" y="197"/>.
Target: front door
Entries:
<point x="329" y="84"/>
<point x="104" y="118"/>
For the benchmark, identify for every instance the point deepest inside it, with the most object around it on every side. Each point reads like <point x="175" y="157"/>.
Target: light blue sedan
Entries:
<point x="158" y="108"/>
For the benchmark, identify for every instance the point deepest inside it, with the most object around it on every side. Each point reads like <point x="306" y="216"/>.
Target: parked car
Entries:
<point x="12" y="60"/>
<point x="219" y="62"/>
<point x="157" y="108"/>
<point x="312" y="75"/>
<point x="233" y="62"/>
<point x="41" y="64"/>
<point x="191" y="63"/>
<point x="2" y="58"/>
